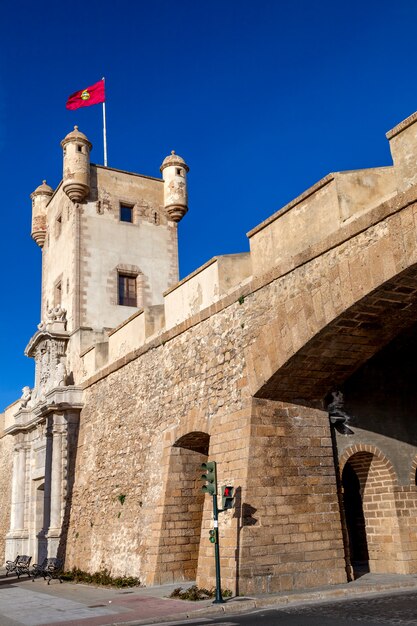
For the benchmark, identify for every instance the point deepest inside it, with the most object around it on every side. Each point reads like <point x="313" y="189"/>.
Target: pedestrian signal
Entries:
<point x="227" y="497"/>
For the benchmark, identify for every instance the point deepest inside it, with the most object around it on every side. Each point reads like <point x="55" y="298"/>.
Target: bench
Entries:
<point x="49" y="568"/>
<point x="19" y="566"/>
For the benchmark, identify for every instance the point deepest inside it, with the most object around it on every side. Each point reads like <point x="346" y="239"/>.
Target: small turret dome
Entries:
<point x="40" y="200"/>
<point x="44" y="188"/>
<point x="174" y="159"/>
<point x="76" y="178"/>
<point x="174" y="172"/>
<point x="76" y="135"/>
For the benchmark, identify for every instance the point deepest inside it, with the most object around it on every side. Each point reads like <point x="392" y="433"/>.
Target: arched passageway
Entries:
<point x="370" y="513"/>
<point x="355" y="521"/>
<point x="182" y="509"/>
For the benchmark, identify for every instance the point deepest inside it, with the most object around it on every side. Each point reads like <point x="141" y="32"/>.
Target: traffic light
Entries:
<point x="227" y="497"/>
<point x="212" y="535"/>
<point x="209" y="477"/>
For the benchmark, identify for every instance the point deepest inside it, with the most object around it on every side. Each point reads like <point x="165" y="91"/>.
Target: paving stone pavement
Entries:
<point x="34" y="603"/>
<point x="396" y="609"/>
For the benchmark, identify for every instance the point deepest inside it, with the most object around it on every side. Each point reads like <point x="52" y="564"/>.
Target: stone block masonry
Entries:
<point x="201" y="377"/>
<point x="236" y="364"/>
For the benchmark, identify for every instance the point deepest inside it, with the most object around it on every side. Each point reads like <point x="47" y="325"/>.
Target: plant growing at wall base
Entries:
<point x="103" y="578"/>
<point x="195" y="593"/>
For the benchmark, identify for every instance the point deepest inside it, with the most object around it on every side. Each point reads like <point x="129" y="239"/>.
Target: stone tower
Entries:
<point x="109" y="252"/>
<point x="109" y="240"/>
<point x="174" y="171"/>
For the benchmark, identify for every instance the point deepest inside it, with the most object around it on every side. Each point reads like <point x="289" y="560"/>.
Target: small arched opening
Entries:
<point x="369" y="501"/>
<point x="183" y="509"/>
<point x="355" y="521"/>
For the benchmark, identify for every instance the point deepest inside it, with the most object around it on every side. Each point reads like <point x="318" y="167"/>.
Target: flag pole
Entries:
<point x="104" y="130"/>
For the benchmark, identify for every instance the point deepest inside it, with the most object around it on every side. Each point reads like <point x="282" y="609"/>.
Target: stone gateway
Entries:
<point x="292" y="366"/>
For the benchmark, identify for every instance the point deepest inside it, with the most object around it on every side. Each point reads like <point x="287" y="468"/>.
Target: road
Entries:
<point x="399" y="609"/>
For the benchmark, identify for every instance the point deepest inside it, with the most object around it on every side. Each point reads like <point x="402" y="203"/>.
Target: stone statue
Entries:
<point x="26" y="396"/>
<point x="60" y="374"/>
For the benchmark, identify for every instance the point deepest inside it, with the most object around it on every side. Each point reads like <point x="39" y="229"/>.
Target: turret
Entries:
<point x="40" y="198"/>
<point x="174" y="172"/>
<point x="76" y="178"/>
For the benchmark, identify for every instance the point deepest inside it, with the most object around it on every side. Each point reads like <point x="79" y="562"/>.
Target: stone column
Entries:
<point x="56" y="486"/>
<point x="16" y="539"/>
<point x="20" y="489"/>
<point x="15" y="489"/>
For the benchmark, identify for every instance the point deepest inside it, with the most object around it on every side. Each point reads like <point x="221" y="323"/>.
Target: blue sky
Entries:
<point x="262" y="99"/>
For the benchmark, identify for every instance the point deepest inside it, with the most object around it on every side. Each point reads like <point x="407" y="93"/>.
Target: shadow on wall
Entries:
<point x="355" y="520"/>
<point x="243" y="514"/>
<point x="72" y="446"/>
<point x="381" y="396"/>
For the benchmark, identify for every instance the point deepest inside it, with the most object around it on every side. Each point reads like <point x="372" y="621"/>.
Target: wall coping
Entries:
<point x="409" y="121"/>
<point x="347" y="231"/>
<point x="115" y="169"/>
<point x="309" y="192"/>
<point x="200" y="269"/>
<point x="126" y="321"/>
<point x="190" y="276"/>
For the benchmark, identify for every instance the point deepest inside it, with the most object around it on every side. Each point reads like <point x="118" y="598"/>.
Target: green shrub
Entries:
<point x="195" y="593"/>
<point x="103" y="578"/>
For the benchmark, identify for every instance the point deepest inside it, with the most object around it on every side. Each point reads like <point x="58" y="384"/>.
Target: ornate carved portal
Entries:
<point x="45" y="432"/>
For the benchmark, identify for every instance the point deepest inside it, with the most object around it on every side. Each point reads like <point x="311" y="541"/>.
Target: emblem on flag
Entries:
<point x="86" y="97"/>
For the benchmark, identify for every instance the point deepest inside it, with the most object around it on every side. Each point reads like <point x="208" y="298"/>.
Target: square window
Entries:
<point x="126" y="213"/>
<point x="127" y="290"/>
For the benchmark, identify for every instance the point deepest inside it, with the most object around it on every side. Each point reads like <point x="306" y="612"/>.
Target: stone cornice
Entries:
<point x="59" y="399"/>
<point x="40" y="335"/>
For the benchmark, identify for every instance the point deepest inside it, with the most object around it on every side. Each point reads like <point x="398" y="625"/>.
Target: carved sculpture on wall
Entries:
<point x="60" y="374"/>
<point x="50" y="372"/>
<point x="54" y="315"/>
<point x="26" y="396"/>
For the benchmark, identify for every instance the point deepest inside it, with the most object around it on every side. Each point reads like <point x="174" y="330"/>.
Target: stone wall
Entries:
<point x="290" y="522"/>
<point x="241" y="378"/>
<point x="200" y="377"/>
<point x="6" y="464"/>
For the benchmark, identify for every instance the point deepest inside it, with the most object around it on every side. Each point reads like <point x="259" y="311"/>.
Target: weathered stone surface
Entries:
<point x="238" y="367"/>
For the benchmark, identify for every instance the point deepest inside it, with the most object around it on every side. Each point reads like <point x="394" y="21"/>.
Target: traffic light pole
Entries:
<point x="210" y="478"/>
<point x="219" y="599"/>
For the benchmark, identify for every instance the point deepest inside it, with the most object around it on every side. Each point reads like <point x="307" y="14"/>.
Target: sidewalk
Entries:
<point x="27" y="603"/>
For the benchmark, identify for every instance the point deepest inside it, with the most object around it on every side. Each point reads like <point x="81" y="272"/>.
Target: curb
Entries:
<point x="242" y="605"/>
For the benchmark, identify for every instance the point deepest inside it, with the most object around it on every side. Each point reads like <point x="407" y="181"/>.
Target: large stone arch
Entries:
<point x="328" y="315"/>
<point x="181" y="511"/>
<point x="344" y="303"/>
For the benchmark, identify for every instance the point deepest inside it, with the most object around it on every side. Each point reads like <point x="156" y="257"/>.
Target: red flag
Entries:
<point x="86" y="97"/>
